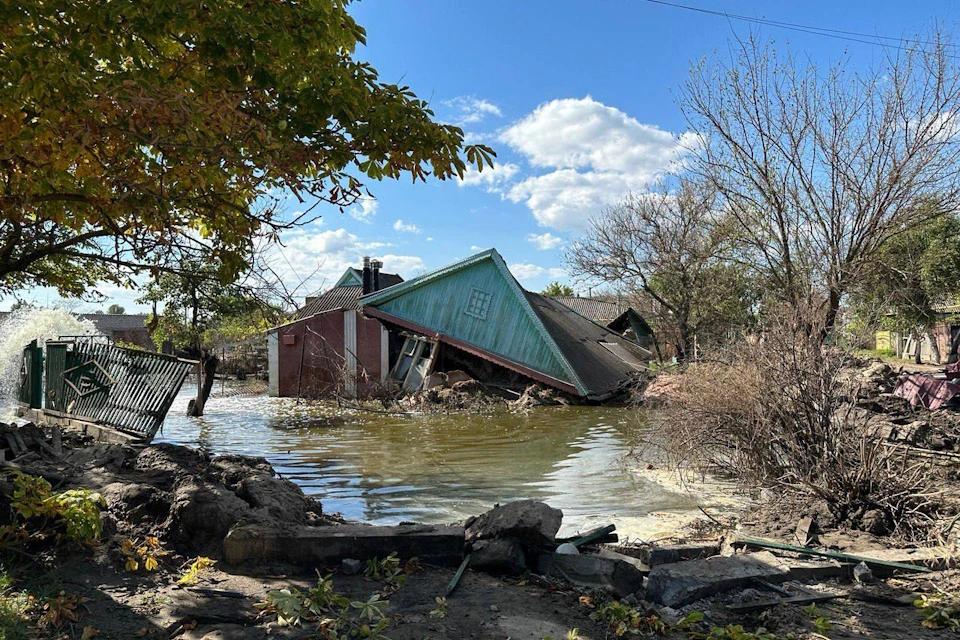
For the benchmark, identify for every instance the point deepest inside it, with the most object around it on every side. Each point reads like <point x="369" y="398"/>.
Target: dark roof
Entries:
<point x="598" y="310"/>
<point x="336" y="298"/>
<point x="622" y="322"/>
<point x="386" y="279"/>
<point x="111" y="322"/>
<point x="602" y="360"/>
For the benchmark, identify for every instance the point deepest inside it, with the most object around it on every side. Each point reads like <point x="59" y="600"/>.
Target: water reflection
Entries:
<point x="386" y="469"/>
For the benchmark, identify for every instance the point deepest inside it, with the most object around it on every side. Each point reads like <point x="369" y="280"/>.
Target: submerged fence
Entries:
<point x="127" y="389"/>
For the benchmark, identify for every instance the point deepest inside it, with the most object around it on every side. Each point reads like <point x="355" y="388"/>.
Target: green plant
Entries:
<point x="331" y="611"/>
<point x="623" y="619"/>
<point x="940" y="611"/>
<point x="573" y="634"/>
<point x="820" y="621"/>
<point x="14" y="606"/>
<point x="733" y="632"/>
<point x="388" y="570"/>
<point x="441" y="610"/>
<point x="75" y="512"/>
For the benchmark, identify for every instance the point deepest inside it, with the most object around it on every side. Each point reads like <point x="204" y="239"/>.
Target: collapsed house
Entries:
<point x="471" y="317"/>
<point x="625" y="321"/>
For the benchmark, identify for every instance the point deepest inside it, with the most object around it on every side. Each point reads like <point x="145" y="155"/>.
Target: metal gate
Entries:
<point x="31" y="376"/>
<point x="127" y="389"/>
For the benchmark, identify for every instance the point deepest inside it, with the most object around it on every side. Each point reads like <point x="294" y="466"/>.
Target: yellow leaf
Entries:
<point x="132" y="565"/>
<point x="89" y="633"/>
<point x="150" y="564"/>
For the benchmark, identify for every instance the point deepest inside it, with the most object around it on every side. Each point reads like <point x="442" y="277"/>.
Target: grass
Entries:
<point x="17" y="598"/>
<point x="13" y="609"/>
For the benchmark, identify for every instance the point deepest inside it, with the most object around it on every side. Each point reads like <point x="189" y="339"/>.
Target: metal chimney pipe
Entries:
<point x="375" y="266"/>
<point x="367" y="276"/>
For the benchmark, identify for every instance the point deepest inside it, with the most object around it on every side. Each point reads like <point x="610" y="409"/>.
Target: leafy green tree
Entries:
<point x="116" y="309"/>
<point x="557" y="289"/>
<point x="913" y="279"/>
<point x="199" y="314"/>
<point x="142" y="135"/>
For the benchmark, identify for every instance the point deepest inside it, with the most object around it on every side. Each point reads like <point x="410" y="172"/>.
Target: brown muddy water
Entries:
<point x="386" y="469"/>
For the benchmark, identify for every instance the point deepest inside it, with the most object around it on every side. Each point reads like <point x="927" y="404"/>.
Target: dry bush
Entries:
<point x="779" y="411"/>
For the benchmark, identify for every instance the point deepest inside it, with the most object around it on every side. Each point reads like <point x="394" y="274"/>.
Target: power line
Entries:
<point x="839" y="34"/>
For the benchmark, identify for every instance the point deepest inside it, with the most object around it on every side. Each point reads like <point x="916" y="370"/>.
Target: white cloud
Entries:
<point x="405" y="227"/>
<point x="544" y="241"/>
<point x="595" y="154"/>
<point x="493" y="179"/>
<point x="311" y="260"/>
<point x="471" y="109"/>
<point x="364" y="209"/>
<point x="429" y="239"/>
<point x="476" y="247"/>
<point x="556" y="272"/>
<point x="526" y="271"/>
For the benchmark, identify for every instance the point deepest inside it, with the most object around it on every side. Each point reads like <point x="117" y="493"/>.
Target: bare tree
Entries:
<point x="820" y="168"/>
<point x="665" y="246"/>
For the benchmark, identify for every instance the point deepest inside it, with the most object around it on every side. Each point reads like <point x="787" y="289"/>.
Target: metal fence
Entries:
<point x="127" y="389"/>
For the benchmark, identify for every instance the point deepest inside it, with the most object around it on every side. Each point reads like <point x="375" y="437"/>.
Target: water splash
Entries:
<point x="21" y="327"/>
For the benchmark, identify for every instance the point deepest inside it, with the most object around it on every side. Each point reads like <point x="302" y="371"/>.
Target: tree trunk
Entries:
<point x="917" y="349"/>
<point x="207" y="371"/>
<point x="934" y="347"/>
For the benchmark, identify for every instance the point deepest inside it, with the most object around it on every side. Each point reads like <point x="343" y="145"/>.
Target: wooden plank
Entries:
<point x="456" y="577"/>
<point x="757" y="605"/>
<point x="594" y="535"/>
<point x="835" y="555"/>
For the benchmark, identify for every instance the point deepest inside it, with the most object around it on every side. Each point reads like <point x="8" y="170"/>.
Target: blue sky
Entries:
<point x="577" y="98"/>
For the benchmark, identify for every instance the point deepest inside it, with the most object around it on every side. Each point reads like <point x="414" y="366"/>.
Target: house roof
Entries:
<point x="602" y="311"/>
<point x="354" y="277"/>
<point x="602" y="359"/>
<point x="335" y="298"/>
<point x="622" y="322"/>
<point x="596" y="360"/>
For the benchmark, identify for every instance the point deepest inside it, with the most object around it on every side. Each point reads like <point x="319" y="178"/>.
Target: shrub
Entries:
<point x="779" y="410"/>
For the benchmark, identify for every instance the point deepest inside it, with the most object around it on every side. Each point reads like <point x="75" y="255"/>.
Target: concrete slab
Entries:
<point x="610" y="574"/>
<point x="313" y="546"/>
<point x="681" y="583"/>
<point x="670" y="553"/>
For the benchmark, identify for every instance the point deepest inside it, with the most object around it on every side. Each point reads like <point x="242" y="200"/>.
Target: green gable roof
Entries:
<point x="477" y="302"/>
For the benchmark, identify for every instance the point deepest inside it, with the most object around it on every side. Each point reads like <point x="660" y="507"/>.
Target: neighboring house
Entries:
<point x="474" y="315"/>
<point x="946" y="333"/>
<point x="328" y="347"/>
<point x="625" y="321"/>
<point x="129" y="328"/>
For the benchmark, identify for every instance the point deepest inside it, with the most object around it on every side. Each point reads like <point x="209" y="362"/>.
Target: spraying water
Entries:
<point x="21" y="327"/>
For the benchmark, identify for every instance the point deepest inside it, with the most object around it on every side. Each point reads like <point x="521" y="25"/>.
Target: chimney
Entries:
<point x="367" y="276"/>
<point x="375" y="265"/>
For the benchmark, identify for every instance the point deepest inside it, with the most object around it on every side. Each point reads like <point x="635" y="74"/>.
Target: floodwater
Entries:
<point x="386" y="469"/>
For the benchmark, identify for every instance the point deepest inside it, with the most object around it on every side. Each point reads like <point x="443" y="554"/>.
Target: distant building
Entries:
<point x="624" y="320"/>
<point x="471" y="316"/>
<point x="129" y="328"/>
<point x="946" y="333"/>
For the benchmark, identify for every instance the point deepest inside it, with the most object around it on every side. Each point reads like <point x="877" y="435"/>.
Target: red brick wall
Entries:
<point x="323" y="355"/>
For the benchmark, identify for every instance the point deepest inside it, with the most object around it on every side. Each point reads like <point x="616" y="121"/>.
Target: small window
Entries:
<point x="479" y="304"/>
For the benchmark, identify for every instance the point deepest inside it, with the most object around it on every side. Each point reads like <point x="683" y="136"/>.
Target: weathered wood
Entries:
<point x="56" y="439"/>
<point x="835" y="555"/>
<point x="595" y="535"/>
<point x="456" y="577"/>
<point x="757" y="605"/>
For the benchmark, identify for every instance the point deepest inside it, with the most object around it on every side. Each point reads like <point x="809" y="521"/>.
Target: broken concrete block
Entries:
<point x="610" y="574"/>
<point x="681" y="583"/>
<point x="531" y="522"/>
<point x="313" y="546"/>
<point x="670" y="553"/>
<point x="500" y="556"/>
<point x="350" y="567"/>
